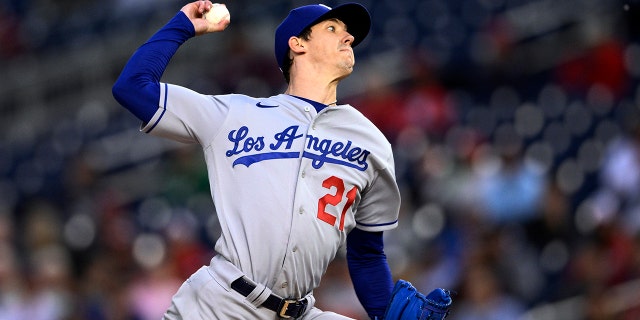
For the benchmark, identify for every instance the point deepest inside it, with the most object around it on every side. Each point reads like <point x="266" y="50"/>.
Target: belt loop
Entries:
<point x="311" y="300"/>
<point x="259" y="295"/>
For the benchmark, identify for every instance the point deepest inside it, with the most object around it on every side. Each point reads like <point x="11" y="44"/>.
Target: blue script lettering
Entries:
<point x="288" y="136"/>
<point x="355" y="157"/>
<point x="320" y="151"/>
<point x="243" y="144"/>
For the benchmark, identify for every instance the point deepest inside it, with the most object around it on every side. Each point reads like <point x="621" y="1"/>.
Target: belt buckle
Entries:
<point x="285" y="307"/>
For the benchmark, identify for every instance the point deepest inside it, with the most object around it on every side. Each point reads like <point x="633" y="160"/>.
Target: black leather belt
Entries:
<point x="285" y="308"/>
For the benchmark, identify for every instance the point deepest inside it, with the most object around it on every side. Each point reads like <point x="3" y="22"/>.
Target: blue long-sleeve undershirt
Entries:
<point x="138" y="86"/>
<point x="369" y="271"/>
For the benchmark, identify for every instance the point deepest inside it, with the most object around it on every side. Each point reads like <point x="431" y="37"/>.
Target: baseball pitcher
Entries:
<point x="294" y="176"/>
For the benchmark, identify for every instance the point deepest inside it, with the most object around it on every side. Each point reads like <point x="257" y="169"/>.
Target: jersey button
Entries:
<point x="307" y="109"/>
<point x="284" y="285"/>
<point x="295" y="249"/>
<point x="303" y="174"/>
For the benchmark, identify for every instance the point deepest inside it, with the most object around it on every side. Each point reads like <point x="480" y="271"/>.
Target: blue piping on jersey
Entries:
<point x="376" y="224"/>
<point x="164" y="108"/>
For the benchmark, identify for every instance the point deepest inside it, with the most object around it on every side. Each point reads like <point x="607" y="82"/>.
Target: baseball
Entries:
<point x="217" y="13"/>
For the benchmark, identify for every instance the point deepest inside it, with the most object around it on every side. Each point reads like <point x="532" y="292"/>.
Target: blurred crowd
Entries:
<point x="515" y="126"/>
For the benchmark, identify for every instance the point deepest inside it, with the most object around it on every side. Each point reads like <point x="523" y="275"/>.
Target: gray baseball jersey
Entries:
<point x="288" y="183"/>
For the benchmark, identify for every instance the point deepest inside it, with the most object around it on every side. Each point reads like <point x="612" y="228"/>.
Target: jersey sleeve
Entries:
<point x="187" y="116"/>
<point x="380" y="204"/>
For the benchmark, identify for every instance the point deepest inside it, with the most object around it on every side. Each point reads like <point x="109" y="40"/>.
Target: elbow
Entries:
<point x="139" y="99"/>
<point x="119" y="91"/>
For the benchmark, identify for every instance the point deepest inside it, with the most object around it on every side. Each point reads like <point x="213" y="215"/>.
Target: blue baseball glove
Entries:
<point x="409" y="304"/>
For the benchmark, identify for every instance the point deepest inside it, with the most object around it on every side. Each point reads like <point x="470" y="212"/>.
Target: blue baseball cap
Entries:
<point x="354" y="15"/>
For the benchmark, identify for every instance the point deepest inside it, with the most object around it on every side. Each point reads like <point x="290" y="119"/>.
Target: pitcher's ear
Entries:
<point x="296" y="45"/>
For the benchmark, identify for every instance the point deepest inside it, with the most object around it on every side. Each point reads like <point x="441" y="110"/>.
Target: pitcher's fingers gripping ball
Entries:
<point x="217" y="13"/>
<point x="409" y="304"/>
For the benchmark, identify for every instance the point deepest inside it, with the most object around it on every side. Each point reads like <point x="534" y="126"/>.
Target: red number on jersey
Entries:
<point x="334" y="200"/>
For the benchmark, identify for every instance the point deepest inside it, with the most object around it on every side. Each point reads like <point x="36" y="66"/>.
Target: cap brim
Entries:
<point x="355" y="16"/>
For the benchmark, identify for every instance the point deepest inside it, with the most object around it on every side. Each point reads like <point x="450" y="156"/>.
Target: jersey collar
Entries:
<point x="317" y="105"/>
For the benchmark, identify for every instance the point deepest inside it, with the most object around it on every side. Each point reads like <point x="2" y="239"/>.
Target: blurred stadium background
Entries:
<point x="515" y="124"/>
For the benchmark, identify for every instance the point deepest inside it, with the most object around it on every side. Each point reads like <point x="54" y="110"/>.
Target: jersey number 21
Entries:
<point x="334" y="200"/>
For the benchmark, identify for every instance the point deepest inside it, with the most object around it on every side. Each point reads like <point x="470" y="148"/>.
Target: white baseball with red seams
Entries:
<point x="217" y="13"/>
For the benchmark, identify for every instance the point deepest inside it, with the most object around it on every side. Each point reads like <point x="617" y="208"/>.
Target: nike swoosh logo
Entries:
<point x="260" y="105"/>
